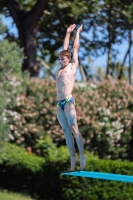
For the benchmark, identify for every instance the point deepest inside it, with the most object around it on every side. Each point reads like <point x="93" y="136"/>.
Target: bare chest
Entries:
<point x="65" y="75"/>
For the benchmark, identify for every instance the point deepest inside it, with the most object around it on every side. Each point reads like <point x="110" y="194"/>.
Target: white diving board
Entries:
<point x="100" y="175"/>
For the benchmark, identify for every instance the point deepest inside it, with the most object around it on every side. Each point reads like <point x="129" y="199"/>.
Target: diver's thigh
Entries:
<point x="70" y="113"/>
<point x="62" y="118"/>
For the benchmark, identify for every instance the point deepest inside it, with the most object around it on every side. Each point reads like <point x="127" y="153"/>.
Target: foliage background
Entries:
<point x="104" y="109"/>
<point x="12" y="84"/>
<point x="104" y="114"/>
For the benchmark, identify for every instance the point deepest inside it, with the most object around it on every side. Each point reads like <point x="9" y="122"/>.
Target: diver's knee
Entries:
<point x="74" y="128"/>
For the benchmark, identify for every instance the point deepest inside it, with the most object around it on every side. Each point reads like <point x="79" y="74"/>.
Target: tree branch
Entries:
<point x="32" y="16"/>
<point x="14" y="9"/>
<point x="45" y="65"/>
<point x="37" y="11"/>
<point x="127" y="53"/>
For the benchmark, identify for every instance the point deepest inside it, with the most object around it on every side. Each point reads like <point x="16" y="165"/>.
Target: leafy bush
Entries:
<point x="104" y="114"/>
<point x="40" y="177"/>
<point x="13" y="155"/>
<point x="11" y="82"/>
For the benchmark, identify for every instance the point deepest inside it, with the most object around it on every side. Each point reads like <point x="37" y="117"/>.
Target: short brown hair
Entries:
<point x="66" y="53"/>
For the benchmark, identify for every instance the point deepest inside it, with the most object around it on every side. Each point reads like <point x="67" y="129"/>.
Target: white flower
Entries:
<point x="80" y="84"/>
<point x="8" y="100"/>
<point x="101" y="123"/>
<point x="93" y="85"/>
<point x="11" y="136"/>
<point x="110" y="132"/>
<point x="16" y="132"/>
<point x="11" y="127"/>
<point x="5" y="119"/>
<point x="105" y="118"/>
<point x="99" y="109"/>
<point x="18" y="98"/>
<point x="106" y="111"/>
<point x="117" y="124"/>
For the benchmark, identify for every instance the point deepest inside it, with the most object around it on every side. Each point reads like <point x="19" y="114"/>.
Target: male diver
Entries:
<point x="65" y="102"/>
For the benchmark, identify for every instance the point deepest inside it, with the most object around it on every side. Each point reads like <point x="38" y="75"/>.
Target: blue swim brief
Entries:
<point x="62" y="103"/>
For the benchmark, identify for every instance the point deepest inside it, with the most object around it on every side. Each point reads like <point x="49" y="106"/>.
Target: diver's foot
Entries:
<point x="82" y="162"/>
<point x="73" y="162"/>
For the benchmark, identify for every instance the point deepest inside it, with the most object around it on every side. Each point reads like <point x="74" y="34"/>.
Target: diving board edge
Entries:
<point x="100" y="175"/>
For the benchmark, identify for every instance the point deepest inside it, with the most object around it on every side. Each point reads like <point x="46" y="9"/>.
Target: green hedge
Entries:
<point x="39" y="177"/>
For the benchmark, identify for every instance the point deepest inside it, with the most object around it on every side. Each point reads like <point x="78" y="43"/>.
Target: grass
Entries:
<point x="5" y="195"/>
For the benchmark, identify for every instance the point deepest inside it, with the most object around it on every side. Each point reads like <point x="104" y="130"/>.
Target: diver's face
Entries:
<point x="64" y="61"/>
